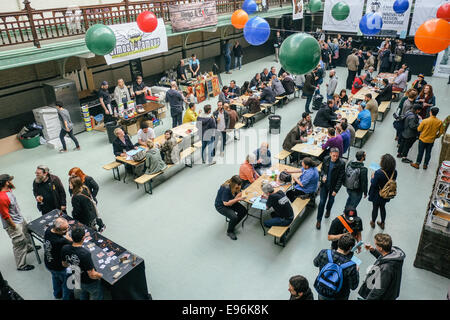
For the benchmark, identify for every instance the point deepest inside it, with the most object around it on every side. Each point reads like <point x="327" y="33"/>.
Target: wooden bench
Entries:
<point x="147" y="179"/>
<point x="250" y="117"/>
<point x="360" y="135"/>
<point x="280" y="233"/>
<point x="283" y="155"/>
<point x="114" y="166"/>
<point x="383" y="108"/>
<point x="237" y="128"/>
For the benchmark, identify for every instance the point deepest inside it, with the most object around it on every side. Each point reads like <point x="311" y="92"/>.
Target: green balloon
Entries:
<point x="299" y="53"/>
<point x="340" y="11"/>
<point x="315" y="5"/>
<point x="100" y="39"/>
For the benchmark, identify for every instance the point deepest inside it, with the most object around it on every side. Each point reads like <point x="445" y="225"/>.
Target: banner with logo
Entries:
<point x="424" y="10"/>
<point x="442" y="67"/>
<point x="192" y="15"/>
<point x="391" y="21"/>
<point x="132" y="43"/>
<point x="297" y="9"/>
<point x="348" y="25"/>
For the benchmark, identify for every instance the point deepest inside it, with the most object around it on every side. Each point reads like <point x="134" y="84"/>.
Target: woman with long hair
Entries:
<point x="427" y="99"/>
<point x="87" y="181"/>
<point x="379" y="179"/>
<point x="227" y="203"/>
<point x="84" y="209"/>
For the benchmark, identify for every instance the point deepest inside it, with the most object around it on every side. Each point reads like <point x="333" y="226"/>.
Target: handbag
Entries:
<point x="138" y="156"/>
<point x="285" y="177"/>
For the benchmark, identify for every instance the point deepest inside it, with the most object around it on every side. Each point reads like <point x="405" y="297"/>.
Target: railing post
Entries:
<point x="234" y="5"/>
<point x="29" y="11"/>
<point x="127" y="12"/>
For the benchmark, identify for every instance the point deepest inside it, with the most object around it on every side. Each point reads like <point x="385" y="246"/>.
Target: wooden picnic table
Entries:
<point x="386" y="75"/>
<point x="349" y="112"/>
<point x="314" y="149"/>
<point x="363" y="91"/>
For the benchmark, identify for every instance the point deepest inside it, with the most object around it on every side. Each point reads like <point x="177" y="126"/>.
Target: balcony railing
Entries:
<point x="30" y="25"/>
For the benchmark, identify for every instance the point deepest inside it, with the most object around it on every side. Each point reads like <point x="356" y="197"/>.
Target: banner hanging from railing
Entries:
<point x="392" y="21"/>
<point x="424" y="10"/>
<point x="297" y="9"/>
<point x="132" y="43"/>
<point x="350" y="24"/>
<point x="192" y="15"/>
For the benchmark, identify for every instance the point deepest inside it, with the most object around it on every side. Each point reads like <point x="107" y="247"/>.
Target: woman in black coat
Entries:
<point x="385" y="63"/>
<point x="84" y="209"/>
<point x="378" y="181"/>
<point x="122" y="143"/>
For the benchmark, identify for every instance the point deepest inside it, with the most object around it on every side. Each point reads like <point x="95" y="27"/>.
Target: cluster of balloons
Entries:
<point x="101" y="40"/>
<point x="256" y="29"/>
<point x="433" y="35"/>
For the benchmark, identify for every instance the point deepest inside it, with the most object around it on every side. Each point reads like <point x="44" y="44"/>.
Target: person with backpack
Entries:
<point x="346" y="223"/>
<point x="331" y="178"/>
<point x="356" y="180"/>
<point x="338" y="274"/>
<point x="384" y="277"/>
<point x="383" y="188"/>
<point x="409" y="133"/>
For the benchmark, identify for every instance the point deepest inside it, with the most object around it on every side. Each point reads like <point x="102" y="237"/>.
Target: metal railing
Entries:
<point x="30" y="25"/>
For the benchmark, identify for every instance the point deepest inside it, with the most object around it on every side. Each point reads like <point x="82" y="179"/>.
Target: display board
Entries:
<point x="424" y="10"/>
<point x="442" y="67"/>
<point x="132" y="43"/>
<point x="297" y="9"/>
<point x="392" y="22"/>
<point x="190" y="16"/>
<point x="348" y="25"/>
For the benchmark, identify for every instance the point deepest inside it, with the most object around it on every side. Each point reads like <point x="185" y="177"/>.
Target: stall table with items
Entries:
<point x="203" y="88"/>
<point x="123" y="271"/>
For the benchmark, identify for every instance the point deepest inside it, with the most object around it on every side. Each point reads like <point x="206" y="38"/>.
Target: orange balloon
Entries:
<point x="239" y="19"/>
<point x="433" y="36"/>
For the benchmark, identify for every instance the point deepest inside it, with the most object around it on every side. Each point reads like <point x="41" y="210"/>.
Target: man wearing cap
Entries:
<point x="349" y="222"/>
<point x="105" y="101"/>
<point x="419" y="83"/>
<point x="48" y="191"/>
<point x="14" y="223"/>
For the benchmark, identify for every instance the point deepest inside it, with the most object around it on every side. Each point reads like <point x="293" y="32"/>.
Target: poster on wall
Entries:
<point x="132" y="43"/>
<point x="442" y="67"/>
<point x="391" y="21"/>
<point x="263" y="5"/>
<point x="297" y="9"/>
<point x="348" y="25"/>
<point x="192" y="15"/>
<point x="424" y="10"/>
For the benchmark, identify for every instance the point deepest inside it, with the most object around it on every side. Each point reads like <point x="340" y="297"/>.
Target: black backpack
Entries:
<point x="317" y="101"/>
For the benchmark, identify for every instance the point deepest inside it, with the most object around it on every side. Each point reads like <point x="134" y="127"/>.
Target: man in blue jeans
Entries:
<point x="331" y="177"/>
<point x="227" y="55"/>
<point x="84" y="276"/>
<point x="206" y="125"/>
<point x="309" y="88"/>
<point x="356" y="180"/>
<point x="175" y="100"/>
<point x="283" y="213"/>
<point x="54" y="240"/>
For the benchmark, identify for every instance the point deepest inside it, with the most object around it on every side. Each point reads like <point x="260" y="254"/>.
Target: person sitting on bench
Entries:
<point x="227" y="203"/>
<point x="325" y="117"/>
<point x="263" y="158"/>
<point x="267" y="94"/>
<point x="283" y="213"/>
<point x="153" y="161"/>
<point x="122" y="143"/>
<point x="247" y="172"/>
<point x="298" y="134"/>
<point x="308" y="181"/>
<point x="145" y="133"/>
<point x="253" y="104"/>
<point x="364" y="120"/>
<point x="277" y="86"/>
<point x="385" y="94"/>
<point x="170" y="151"/>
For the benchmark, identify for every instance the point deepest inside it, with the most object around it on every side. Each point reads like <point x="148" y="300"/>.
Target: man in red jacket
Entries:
<point x="358" y="83"/>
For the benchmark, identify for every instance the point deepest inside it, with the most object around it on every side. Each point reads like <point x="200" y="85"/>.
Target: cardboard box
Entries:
<point x="132" y="129"/>
<point x="161" y="115"/>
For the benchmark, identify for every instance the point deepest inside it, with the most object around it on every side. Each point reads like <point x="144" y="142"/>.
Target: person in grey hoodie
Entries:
<point x="153" y="161"/>
<point x="277" y="86"/>
<point x="384" y="278"/>
<point x="331" y="86"/>
<point x="409" y="133"/>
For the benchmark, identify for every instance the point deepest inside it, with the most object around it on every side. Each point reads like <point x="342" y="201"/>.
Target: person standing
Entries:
<point x="237" y="52"/>
<point x="84" y="209"/>
<point x="430" y="129"/>
<point x="384" y="277"/>
<point x="352" y="66"/>
<point x="194" y="66"/>
<point x="309" y="88"/>
<point x="277" y="45"/>
<point x="379" y="179"/>
<point x="349" y="271"/>
<point x="398" y="57"/>
<point x="227" y="55"/>
<point x="331" y="177"/>
<point x="80" y="261"/>
<point x="360" y="56"/>
<point x="409" y="133"/>
<point x="223" y="121"/>
<point x="14" y="223"/>
<point x="372" y="106"/>
<point x="384" y="57"/>
<point x="190" y="115"/>
<point x="105" y="101"/>
<point x="175" y="100"/>
<point x="356" y="180"/>
<point x="227" y="203"/>
<point x="138" y="91"/>
<point x="370" y="61"/>
<point x="419" y="83"/>
<point x="326" y="55"/>
<point x="427" y="99"/>
<point x="55" y="238"/>
<point x="66" y="127"/>
<point x="181" y="72"/>
<point x="299" y="289"/>
<point x="206" y="126"/>
<point x="332" y="85"/>
<point x="121" y="94"/>
<point x="48" y="191"/>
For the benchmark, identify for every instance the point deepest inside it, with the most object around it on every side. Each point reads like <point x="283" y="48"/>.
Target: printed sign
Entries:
<point x="351" y="24"/>
<point x="192" y="15"/>
<point x="398" y="23"/>
<point x="424" y="10"/>
<point x="132" y="43"/>
<point x="297" y="9"/>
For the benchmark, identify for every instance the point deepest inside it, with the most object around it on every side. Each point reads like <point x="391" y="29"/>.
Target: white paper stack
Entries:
<point x="48" y="118"/>
<point x="160" y="92"/>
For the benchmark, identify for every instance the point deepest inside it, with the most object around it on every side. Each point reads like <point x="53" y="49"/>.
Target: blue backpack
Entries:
<point x="329" y="281"/>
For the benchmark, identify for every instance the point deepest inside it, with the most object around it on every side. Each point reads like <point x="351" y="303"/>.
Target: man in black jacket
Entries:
<point x="233" y="90"/>
<point x="385" y="94"/>
<point x="298" y="134"/>
<point x="255" y="82"/>
<point x="384" y="277"/>
<point x="331" y="178"/>
<point x="206" y="126"/>
<point x="48" y="191"/>
<point x="288" y="84"/>
<point x="267" y="94"/>
<point x="175" y="100"/>
<point x="409" y="133"/>
<point x="265" y="75"/>
<point x="356" y="180"/>
<point x="308" y="89"/>
<point x="325" y="116"/>
<point x="299" y="289"/>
